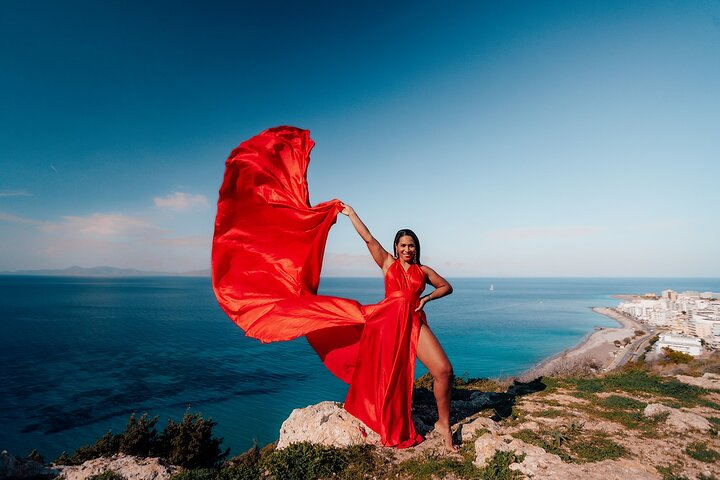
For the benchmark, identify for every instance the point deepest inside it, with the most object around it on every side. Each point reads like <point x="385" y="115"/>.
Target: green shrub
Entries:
<point x="109" y="475"/>
<point x="668" y="473"/>
<point x="625" y="403"/>
<point x="671" y="356"/>
<point x="140" y="437"/>
<point x="190" y="443"/>
<point x="498" y="468"/>
<point x="63" y="459"/>
<point x="305" y="461"/>
<point x="363" y="461"/>
<point x="105" y="446"/>
<point x="549" y="413"/>
<point x="245" y="466"/>
<point x="626" y="411"/>
<point x="35" y="456"/>
<point x="595" y="448"/>
<point x="197" y="474"/>
<point x="241" y="472"/>
<point x="549" y="442"/>
<point x="700" y="451"/>
<point x="638" y="380"/>
<point x="432" y="466"/>
<point x="573" y="444"/>
<point x="516" y="417"/>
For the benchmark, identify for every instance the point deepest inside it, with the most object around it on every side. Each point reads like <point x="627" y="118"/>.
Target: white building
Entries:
<point x="702" y="323"/>
<point x="691" y="313"/>
<point x="679" y="343"/>
<point x="716" y="336"/>
<point x="662" y="318"/>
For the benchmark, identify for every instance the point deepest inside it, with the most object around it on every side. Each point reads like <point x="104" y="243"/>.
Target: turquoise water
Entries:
<point x="78" y="355"/>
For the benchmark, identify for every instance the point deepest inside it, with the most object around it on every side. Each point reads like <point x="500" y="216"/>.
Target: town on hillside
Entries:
<point x="689" y="322"/>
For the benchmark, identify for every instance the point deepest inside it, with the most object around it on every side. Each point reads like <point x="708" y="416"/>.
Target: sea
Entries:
<point x="78" y="355"/>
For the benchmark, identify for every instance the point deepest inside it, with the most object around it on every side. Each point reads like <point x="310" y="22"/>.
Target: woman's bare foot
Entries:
<point x="446" y="433"/>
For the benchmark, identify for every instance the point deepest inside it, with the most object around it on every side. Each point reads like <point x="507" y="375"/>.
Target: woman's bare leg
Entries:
<point x="432" y="355"/>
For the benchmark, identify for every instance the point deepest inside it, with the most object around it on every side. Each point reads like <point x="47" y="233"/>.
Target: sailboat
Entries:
<point x="492" y="287"/>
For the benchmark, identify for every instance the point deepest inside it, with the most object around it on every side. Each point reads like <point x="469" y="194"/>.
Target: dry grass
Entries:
<point x="709" y="363"/>
<point x="581" y="366"/>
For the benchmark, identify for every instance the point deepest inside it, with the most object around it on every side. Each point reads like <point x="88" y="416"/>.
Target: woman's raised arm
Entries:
<point x="379" y="254"/>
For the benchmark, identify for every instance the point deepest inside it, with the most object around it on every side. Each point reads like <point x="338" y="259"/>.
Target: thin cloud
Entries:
<point x="104" y="239"/>
<point x="109" y="225"/>
<point x="544" y="232"/>
<point x="181" y="202"/>
<point x="4" y="217"/>
<point x="14" y="193"/>
<point x="190" y="241"/>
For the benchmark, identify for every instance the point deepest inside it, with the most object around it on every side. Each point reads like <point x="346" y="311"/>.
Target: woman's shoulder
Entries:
<point x="427" y="270"/>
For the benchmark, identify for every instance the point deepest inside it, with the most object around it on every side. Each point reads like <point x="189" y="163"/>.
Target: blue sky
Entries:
<point x="516" y="138"/>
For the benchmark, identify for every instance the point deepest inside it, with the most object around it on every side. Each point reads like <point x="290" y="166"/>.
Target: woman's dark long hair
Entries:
<point x="402" y="233"/>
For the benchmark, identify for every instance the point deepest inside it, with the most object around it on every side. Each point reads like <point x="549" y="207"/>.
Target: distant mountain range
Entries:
<point x="76" y="271"/>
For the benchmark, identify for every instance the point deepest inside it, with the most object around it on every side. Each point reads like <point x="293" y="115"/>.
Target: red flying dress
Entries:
<point x="266" y="260"/>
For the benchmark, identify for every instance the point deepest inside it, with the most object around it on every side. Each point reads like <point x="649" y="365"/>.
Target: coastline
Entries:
<point x="596" y="348"/>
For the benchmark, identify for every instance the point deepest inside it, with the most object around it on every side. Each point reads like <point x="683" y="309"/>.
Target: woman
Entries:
<point x="413" y="276"/>
<point x="267" y="256"/>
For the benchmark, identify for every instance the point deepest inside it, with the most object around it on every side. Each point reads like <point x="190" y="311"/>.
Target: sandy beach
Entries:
<point x="598" y="347"/>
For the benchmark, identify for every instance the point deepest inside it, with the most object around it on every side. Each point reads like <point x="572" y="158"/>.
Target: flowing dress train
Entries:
<point x="267" y="255"/>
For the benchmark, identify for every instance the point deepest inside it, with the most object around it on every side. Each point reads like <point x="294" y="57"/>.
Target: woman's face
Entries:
<point x="406" y="248"/>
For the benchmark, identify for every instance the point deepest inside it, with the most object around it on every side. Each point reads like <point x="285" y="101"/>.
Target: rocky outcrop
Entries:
<point x="677" y="419"/>
<point x="326" y="423"/>
<point x="541" y="465"/>
<point x="12" y="467"/>
<point x="710" y="381"/>
<point x="468" y="430"/>
<point x="488" y="422"/>
<point x="129" y="467"/>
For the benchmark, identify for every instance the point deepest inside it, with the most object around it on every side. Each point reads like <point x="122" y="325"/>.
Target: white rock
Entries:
<point x="468" y="430"/>
<point x="678" y="420"/>
<point x="130" y="467"/>
<point x="486" y="446"/>
<point x="326" y="423"/>
<point x="653" y="409"/>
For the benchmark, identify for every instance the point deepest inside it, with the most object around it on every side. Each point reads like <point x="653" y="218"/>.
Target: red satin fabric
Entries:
<point x="266" y="260"/>
<point x="381" y="390"/>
